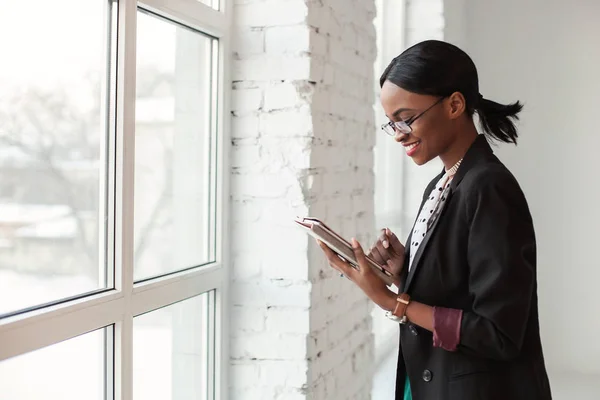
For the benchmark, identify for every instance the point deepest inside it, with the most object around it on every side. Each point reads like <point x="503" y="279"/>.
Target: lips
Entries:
<point x="412" y="147"/>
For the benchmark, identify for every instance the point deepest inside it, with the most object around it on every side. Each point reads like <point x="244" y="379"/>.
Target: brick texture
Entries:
<point x="302" y="144"/>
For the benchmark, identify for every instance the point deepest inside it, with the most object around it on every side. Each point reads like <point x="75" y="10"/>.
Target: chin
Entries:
<point x="421" y="160"/>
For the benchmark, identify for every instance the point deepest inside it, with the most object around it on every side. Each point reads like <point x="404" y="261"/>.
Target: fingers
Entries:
<point x="361" y="259"/>
<point x="385" y="261"/>
<point x="383" y="247"/>
<point x="385" y="253"/>
<point x="336" y="262"/>
<point x="377" y="255"/>
<point x="394" y="242"/>
<point x="386" y="244"/>
<point x="389" y="267"/>
<point x="383" y="239"/>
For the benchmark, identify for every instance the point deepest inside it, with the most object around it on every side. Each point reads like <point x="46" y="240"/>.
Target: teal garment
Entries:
<point x="407" y="392"/>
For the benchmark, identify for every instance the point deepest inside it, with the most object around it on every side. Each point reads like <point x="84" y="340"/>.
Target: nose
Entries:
<point x="400" y="137"/>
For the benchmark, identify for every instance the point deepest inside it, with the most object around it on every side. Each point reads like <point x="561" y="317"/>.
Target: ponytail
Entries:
<point x="497" y="119"/>
<point x="439" y="68"/>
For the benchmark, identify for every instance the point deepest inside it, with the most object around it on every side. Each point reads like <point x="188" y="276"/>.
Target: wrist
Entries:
<point x="403" y="302"/>
<point x="398" y="314"/>
<point x="397" y="281"/>
<point x="389" y="302"/>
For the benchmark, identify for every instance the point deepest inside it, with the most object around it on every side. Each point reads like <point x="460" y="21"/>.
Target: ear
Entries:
<point x="457" y="105"/>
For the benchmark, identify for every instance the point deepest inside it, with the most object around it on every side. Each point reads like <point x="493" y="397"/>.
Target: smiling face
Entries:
<point x="434" y="132"/>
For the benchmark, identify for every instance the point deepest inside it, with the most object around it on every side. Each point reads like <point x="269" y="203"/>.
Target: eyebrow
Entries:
<point x="400" y="111"/>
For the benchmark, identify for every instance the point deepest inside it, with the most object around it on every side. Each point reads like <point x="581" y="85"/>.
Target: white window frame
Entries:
<point x="26" y="332"/>
<point x="389" y="164"/>
<point x="391" y="25"/>
<point x="399" y="183"/>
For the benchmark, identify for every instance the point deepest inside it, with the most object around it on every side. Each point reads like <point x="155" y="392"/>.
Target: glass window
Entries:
<point x="172" y="351"/>
<point x="71" y="370"/>
<point x="53" y="140"/>
<point x="108" y="170"/>
<point x="211" y="3"/>
<point x="173" y="222"/>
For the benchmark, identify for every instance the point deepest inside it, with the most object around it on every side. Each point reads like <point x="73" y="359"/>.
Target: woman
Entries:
<point x="467" y="308"/>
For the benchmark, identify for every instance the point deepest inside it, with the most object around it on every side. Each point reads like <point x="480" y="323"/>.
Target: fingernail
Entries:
<point x="354" y="243"/>
<point x="385" y="244"/>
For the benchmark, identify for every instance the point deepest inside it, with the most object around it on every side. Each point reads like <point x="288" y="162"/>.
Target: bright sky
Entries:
<point x="48" y="42"/>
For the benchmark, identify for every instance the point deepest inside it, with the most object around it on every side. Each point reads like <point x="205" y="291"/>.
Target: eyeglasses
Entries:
<point x="404" y="127"/>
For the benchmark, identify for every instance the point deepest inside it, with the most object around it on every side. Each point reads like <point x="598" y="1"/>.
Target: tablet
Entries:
<point x="317" y="229"/>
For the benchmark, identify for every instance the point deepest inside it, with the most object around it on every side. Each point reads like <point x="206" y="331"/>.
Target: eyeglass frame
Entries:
<point x="404" y="127"/>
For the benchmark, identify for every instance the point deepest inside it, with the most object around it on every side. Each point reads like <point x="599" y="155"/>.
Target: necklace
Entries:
<point x="452" y="171"/>
<point x="444" y="188"/>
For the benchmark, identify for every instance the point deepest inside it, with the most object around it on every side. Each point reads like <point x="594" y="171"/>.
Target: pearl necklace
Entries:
<point x="448" y="176"/>
<point x="452" y="171"/>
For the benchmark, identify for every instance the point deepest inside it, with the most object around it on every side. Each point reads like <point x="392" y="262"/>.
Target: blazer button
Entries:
<point x="413" y="330"/>
<point x="427" y="375"/>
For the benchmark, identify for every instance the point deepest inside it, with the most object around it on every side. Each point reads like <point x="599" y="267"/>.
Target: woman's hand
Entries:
<point x="364" y="278"/>
<point x="389" y="252"/>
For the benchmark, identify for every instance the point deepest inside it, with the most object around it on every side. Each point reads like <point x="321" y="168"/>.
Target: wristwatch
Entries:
<point x="399" y="313"/>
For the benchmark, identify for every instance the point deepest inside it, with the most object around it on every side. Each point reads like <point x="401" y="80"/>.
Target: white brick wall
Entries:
<point x="302" y="139"/>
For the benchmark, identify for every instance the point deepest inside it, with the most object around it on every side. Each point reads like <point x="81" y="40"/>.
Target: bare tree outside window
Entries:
<point x="93" y="194"/>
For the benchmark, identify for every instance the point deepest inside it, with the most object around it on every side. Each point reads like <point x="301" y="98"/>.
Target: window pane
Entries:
<point x="53" y="78"/>
<point x="172" y="155"/>
<point x="172" y="351"/>
<point x="70" y="370"/>
<point x="211" y="3"/>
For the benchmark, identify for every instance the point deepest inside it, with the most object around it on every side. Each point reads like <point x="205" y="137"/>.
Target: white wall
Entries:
<point x="547" y="54"/>
<point x="302" y="139"/>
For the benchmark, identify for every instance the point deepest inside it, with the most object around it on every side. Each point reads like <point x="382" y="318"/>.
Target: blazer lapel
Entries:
<point x="479" y="151"/>
<point x="407" y="247"/>
<point x="423" y="246"/>
<point x="403" y="271"/>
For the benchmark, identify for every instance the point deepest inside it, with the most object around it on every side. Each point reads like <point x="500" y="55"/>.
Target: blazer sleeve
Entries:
<point x="501" y="257"/>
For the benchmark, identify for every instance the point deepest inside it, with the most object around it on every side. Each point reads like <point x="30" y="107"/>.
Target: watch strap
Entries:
<point x="399" y="312"/>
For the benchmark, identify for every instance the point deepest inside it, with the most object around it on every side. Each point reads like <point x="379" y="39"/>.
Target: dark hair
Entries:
<point x="438" y="68"/>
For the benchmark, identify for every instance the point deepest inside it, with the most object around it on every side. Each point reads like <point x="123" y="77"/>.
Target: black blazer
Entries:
<point x="480" y="257"/>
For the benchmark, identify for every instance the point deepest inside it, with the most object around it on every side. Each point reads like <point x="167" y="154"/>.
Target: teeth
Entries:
<point x="412" y="146"/>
